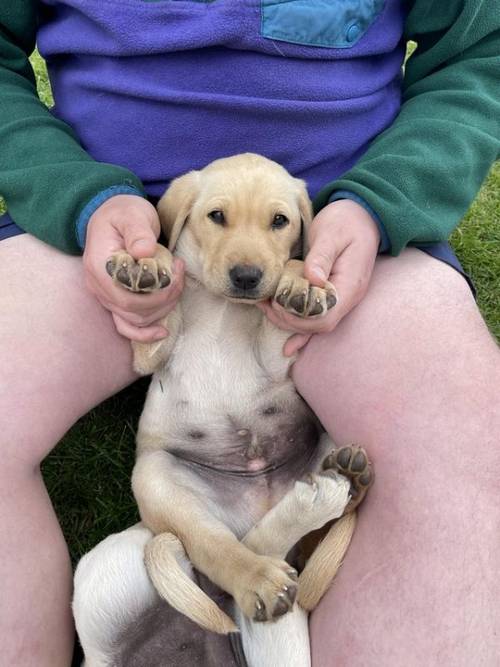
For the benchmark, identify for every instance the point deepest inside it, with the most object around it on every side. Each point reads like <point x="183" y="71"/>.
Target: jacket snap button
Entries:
<point x="353" y="32"/>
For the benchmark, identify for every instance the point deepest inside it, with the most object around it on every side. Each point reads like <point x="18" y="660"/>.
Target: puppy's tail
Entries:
<point x="324" y="563"/>
<point x="170" y="572"/>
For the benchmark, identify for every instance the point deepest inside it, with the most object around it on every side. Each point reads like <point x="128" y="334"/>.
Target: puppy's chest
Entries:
<point x="220" y="358"/>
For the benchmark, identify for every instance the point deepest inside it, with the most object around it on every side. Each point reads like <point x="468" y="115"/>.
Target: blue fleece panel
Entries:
<point x="327" y="23"/>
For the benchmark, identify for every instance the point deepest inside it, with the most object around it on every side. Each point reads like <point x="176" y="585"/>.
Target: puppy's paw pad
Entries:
<point x="143" y="275"/>
<point x="268" y="591"/>
<point x="353" y="463"/>
<point x="298" y="297"/>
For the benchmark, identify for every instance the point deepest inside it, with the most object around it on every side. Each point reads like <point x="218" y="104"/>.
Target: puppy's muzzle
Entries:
<point x="245" y="280"/>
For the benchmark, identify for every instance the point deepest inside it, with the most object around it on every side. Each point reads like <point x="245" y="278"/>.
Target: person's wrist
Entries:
<point x="385" y="242"/>
<point x="96" y="203"/>
<point x="346" y="212"/>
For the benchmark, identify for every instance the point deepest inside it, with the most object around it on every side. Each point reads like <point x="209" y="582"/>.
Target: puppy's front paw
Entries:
<point x="352" y="462"/>
<point x="299" y="297"/>
<point x="268" y="590"/>
<point x="144" y="275"/>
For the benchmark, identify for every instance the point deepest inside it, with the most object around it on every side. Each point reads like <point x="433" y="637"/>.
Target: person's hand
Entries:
<point x="344" y="241"/>
<point x="130" y="223"/>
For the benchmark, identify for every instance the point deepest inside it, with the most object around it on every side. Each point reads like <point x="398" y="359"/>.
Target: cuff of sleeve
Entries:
<point x="385" y="243"/>
<point x="91" y="207"/>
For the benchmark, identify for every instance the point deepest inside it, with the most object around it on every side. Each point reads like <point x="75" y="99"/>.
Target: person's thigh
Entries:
<point x="413" y="375"/>
<point x="59" y="352"/>
<point x="59" y="356"/>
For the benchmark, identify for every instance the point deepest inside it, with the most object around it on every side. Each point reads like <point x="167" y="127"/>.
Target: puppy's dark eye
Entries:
<point x="217" y="217"/>
<point x="279" y="221"/>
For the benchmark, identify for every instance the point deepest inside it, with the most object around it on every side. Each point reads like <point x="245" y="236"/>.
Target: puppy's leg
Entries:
<point x="112" y="589"/>
<point x="148" y="275"/>
<point x="282" y="643"/>
<point x="321" y="568"/>
<point x="308" y="506"/>
<point x="148" y="357"/>
<point x="313" y="501"/>
<point x="167" y="503"/>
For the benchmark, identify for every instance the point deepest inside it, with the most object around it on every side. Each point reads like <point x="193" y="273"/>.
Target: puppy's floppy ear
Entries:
<point x="176" y="204"/>
<point x="306" y="215"/>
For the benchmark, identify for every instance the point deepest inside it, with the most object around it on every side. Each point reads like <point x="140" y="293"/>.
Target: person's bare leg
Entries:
<point x="59" y="356"/>
<point x="413" y="375"/>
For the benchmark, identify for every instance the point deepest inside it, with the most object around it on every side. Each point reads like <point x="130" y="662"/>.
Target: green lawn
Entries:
<point x="88" y="474"/>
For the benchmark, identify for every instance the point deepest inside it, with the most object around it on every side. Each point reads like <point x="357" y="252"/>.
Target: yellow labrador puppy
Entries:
<point x="224" y="436"/>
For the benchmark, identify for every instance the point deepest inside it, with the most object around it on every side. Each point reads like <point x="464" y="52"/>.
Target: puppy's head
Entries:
<point x="236" y="223"/>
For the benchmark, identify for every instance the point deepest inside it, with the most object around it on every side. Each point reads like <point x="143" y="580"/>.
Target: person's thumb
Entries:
<point x="139" y="238"/>
<point x="319" y="261"/>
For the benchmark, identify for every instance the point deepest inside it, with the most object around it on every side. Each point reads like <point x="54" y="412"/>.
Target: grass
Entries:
<point x="88" y="474"/>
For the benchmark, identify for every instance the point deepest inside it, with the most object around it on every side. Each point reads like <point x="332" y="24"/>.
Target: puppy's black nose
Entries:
<point x="245" y="277"/>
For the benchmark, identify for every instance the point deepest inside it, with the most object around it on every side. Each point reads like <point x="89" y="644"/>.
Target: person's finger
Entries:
<point x="351" y="276"/>
<point x="114" y="297"/>
<point x="278" y="316"/>
<point x="320" y="259"/>
<point x="139" y="238"/>
<point x="295" y="343"/>
<point x="139" y="320"/>
<point x="139" y="334"/>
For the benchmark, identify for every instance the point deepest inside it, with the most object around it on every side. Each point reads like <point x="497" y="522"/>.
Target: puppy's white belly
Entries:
<point x="249" y="428"/>
<point x="216" y="404"/>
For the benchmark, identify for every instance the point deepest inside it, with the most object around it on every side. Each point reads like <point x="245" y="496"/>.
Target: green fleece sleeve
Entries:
<point x="46" y="177"/>
<point x="422" y="173"/>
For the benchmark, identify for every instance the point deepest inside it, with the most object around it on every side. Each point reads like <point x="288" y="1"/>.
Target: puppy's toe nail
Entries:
<point x="291" y="593"/>
<point x="260" y="611"/>
<point x="164" y="278"/>
<point x="281" y="298"/>
<point x="293" y="574"/>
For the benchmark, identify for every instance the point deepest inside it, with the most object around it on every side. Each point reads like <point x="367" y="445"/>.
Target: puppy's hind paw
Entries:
<point x="352" y="462"/>
<point x="319" y="498"/>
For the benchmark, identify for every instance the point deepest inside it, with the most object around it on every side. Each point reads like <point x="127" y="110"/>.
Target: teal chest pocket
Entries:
<point x="338" y="24"/>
